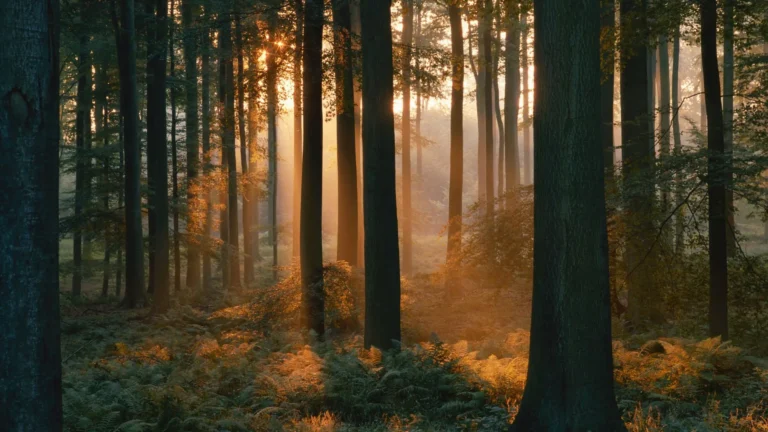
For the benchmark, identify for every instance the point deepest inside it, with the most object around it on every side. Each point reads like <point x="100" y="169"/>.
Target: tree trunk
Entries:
<point x="297" y="131"/>
<point x="511" y="96"/>
<point x="345" y="133"/>
<point x="272" y="141"/>
<point x="716" y="178"/>
<point x="354" y="8"/>
<point x="205" y="107"/>
<point x="101" y="118"/>
<point x="485" y="68"/>
<point x="189" y="10"/>
<point x="129" y="111"/>
<point x="679" y="217"/>
<point x="382" y="270"/>
<point x="728" y="123"/>
<point x="158" y="156"/>
<point x="312" y="305"/>
<point x="480" y="81"/>
<point x="253" y="134"/>
<point x="456" y="181"/>
<point x="407" y="41"/>
<point x="637" y="161"/>
<point x="174" y="161"/>
<point x="82" y="138"/>
<point x="419" y="101"/>
<point x="570" y="372"/>
<point x="244" y="145"/>
<point x="527" y="161"/>
<point x="497" y="103"/>
<point x="665" y="109"/>
<point x="30" y="352"/>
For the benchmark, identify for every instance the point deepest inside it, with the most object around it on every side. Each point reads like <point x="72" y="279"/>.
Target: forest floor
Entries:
<point x="234" y="362"/>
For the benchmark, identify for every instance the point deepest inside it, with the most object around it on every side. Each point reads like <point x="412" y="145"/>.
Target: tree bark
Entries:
<point x="101" y="120"/>
<point x="382" y="270"/>
<point x="511" y="96"/>
<point x="456" y="182"/>
<point x="354" y="8"/>
<point x="678" y="146"/>
<point x="345" y="134"/>
<point x="716" y="175"/>
<point x="272" y="139"/>
<point x="728" y="122"/>
<point x="189" y="10"/>
<point x="497" y="102"/>
<point x="30" y="354"/>
<point x="485" y="68"/>
<point x="174" y="160"/>
<point x="205" y="108"/>
<point x="82" y="138"/>
<point x="244" y="146"/>
<point x="297" y="130"/>
<point x="312" y="305"/>
<point x="407" y="41"/>
<point x="665" y="111"/>
<point x="527" y="152"/>
<point x="570" y="372"/>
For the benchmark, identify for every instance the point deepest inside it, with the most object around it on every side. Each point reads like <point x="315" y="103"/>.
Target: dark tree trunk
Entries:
<point x="30" y="354"/>
<point x="382" y="270"/>
<point x="527" y="153"/>
<point x="157" y="150"/>
<point x="253" y="128"/>
<point x="486" y="69"/>
<point x="272" y="141"/>
<point x="120" y="203"/>
<point x="679" y="217"/>
<point x="665" y="112"/>
<point x="456" y="181"/>
<point x="716" y="175"/>
<point x="570" y="372"/>
<point x="480" y="81"/>
<point x="174" y="161"/>
<point x="354" y="8"/>
<point x="205" y="108"/>
<point x="312" y="304"/>
<point x="129" y="111"/>
<point x="511" y="96"/>
<point x="189" y="10"/>
<point x="345" y="133"/>
<point x="101" y="118"/>
<point x="247" y="242"/>
<point x="497" y="102"/>
<point x="637" y="160"/>
<point x="297" y="131"/>
<point x="728" y="69"/>
<point x="407" y="258"/>
<point x="82" y="138"/>
<point x="419" y="91"/>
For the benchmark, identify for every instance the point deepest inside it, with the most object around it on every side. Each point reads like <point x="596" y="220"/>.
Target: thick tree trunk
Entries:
<point x="30" y="354"/>
<point x="205" y="107"/>
<point x="728" y="122"/>
<point x="158" y="156"/>
<point x="312" y="305"/>
<point x="716" y="178"/>
<point x="244" y="146"/>
<point x="382" y="270"/>
<point x="511" y="96"/>
<point x="637" y="161"/>
<point x="345" y="134"/>
<point x="189" y="10"/>
<point x="570" y="372"/>
<point x="456" y="181"/>
<point x="297" y="130"/>
<point x="272" y="141"/>
<point x="129" y="111"/>
<point x="527" y="152"/>
<point x="407" y="41"/>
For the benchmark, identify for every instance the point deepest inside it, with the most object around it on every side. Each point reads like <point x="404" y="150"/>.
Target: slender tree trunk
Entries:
<point x="511" y="96"/>
<point x="354" y="8"/>
<point x="246" y="215"/>
<point x="497" y="103"/>
<point x="101" y="119"/>
<point x="382" y="270"/>
<point x="82" y="133"/>
<point x="221" y="195"/>
<point x="486" y="68"/>
<point x="527" y="161"/>
<point x="679" y="217"/>
<point x="189" y="10"/>
<point x="120" y="204"/>
<point x="456" y="181"/>
<point x="345" y="133"/>
<point x="480" y="81"/>
<point x="205" y="108"/>
<point x="570" y="372"/>
<point x="129" y="111"/>
<point x="637" y="161"/>
<point x="148" y="26"/>
<point x="253" y="130"/>
<point x="272" y="140"/>
<point x="665" y="111"/>
<point x="717" y="180"/>
<point x="407" y="41"/>
<point x="174" y="161"/>
<point x="158" y="157"/>
<point x="297" y="131"/>
<point x="312" y="305"/>
<point x="419" y="102"/>
<point x="30" y="348"/>
<point x="728" y="122"/>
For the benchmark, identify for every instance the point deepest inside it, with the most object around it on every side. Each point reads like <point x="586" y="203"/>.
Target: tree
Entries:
<point x="30" y="354"/>
<point x="205" y="108"/>
<point x="728" y="68"/>
<point x="484" y="47"/>
<point x="511" y="96"/>
<point x="527" y="161"/>
<point x="382" y="270"/>
<point x="354" y="9"/>
<point x="298" y="6"/>
<point x="101" y="120"/>
<point x="174" y="158"/>
<point x="345" y="133"/>
<point x="407" y="41"/>
<point x="716" y="178"/>
<point x="244" y="145"/>
<point x="570" y="370"/>
<point x="189" y="10"/>
<point x="678" y="146"/>
<point x="456" y="181"/>
<point x="157" y="152"/>
<point x="272" y="135"/>
<point x="129" y="111"/>
<point x="313" y="317"/>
